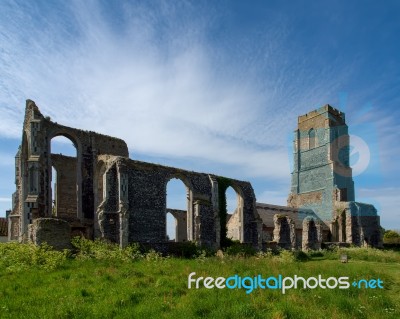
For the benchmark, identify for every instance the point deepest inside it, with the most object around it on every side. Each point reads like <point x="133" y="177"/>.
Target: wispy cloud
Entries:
<point x="173" y="83"/>
<point x="156" y="81"/>
<point x="152" y="75"/>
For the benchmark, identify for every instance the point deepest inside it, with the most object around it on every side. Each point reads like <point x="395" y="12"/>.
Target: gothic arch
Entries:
<point x="70" y="135"/>
<point x="183" y="218"/>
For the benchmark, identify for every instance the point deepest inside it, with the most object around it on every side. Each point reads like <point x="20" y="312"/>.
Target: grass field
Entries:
<point x="39" y="283"/>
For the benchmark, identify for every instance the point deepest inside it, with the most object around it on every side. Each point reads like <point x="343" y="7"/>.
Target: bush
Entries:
<point x="300" y="255"/>
<point x="265" y="254"/>
<point x="391" y="237"/>
<point x="153" y="255"/>
<point x="239" y="249"/>
<point x="316" y="253"/>
<point x="394" y="247"/>
<point x="286" y="256"/>
<point x="391" y="234"/>
<point x="100" y="249"/>
<point x="187" y="249"/>
<point x="16" y="256"/>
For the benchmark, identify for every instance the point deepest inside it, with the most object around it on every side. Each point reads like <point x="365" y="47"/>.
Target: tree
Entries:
<point x="391" y="237"/>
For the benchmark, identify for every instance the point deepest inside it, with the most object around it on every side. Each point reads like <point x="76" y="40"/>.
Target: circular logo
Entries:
<point x="358" y="148"/>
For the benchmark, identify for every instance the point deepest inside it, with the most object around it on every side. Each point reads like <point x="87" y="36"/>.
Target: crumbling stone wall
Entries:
<point x="180" y="224"/>
<point x="102" y="193"/>
<point x="147" y="202"/>
<point x="284" y="232"/>
<point x="54" y="232"/>
<point x="33" y="170"/>
<point x="123" y="200"/>
<point x="365" y="225"/>
<point x="65" y="201"/>
<point x="341" y="226"/>
<point x="233" y="226"/>
<point x="312" y="234"/>
<point x="283" y="224"/>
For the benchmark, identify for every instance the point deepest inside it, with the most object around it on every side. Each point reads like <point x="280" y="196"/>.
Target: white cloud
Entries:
<point x="155" y="80"/>
<point x="154" y="76"/>
<point x="172" y="104"/>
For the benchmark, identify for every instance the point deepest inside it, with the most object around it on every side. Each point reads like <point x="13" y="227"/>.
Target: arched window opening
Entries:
<point x="172" y="225"/>
<point x="311" y="139"/>
<point x="177" y="207"/>
<point x="231" y="200"/>
<point x="100" y="175"/>
<point x="63" y="145"/>
<point x="64" y="178"/>
<point x="234" y="214"/>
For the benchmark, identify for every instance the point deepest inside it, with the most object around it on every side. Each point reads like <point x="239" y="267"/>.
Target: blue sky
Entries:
<point x="209" y="86"/>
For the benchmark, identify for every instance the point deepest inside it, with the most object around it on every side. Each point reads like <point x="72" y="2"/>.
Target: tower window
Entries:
<point x="343" y="194"/>
<point x="311" y="138"/>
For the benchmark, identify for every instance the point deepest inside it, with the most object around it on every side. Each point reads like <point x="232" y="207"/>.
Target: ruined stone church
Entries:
<point x="102" y="193"/>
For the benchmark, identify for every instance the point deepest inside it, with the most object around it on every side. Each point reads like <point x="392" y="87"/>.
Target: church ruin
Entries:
<point x="102" y="193"/>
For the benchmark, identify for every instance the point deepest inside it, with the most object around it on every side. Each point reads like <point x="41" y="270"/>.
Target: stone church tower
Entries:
<point x="322" y="178"/>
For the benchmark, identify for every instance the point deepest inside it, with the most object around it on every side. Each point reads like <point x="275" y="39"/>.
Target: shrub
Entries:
<point x="188" y="249"/>
<point x="265" y="254"/>
<point x="391" y="237"/>
<point x="394" y="247"/>
<point x="316" y="253"/>
<point x="103" y="250"/>
<point x="153" y="255"/>
<point x="239" y="249"/>
<point x="300" y="255"/>
<point x="286" y="256"/>
<point x="16" y="256"/>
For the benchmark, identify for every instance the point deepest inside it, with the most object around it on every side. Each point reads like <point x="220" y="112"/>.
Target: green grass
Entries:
<point x="149" y="286"/>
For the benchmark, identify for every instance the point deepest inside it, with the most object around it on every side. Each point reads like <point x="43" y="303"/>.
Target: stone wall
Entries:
<point x="312" y="234"/>
<point x="65" y="201"/>
<point x="146" y="203"/>
<point x="54" y="232"/>
<point x="102" y="193"/>
<point x="365" y="225"/>
<point x="232" y="226"/>
<point x="180" y="224"/>
<point x="284" y="232"/>
<point x="283" y="224"/>
<point x="33" y="197"/>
